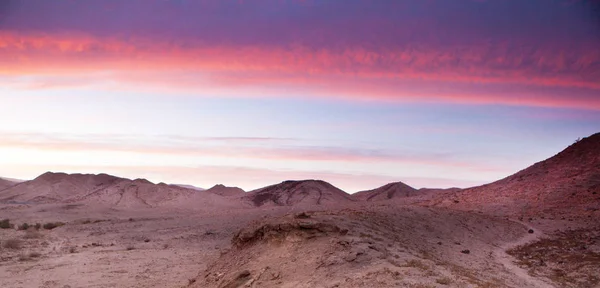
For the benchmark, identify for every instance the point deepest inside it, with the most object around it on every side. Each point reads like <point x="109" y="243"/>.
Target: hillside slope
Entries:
<point x="292" y="193"/>
<point x="107" y="190"/>
<point x="4" y="184"/>
<point x="567" y="184"/>
<point x="225" y="191"/>
<point x="386" y="192"/>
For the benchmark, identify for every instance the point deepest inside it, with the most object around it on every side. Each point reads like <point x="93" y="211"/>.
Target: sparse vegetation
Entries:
<point x="130" y="247"/>
<point x="72" y="249"/>
<point x="421" y="285"/>
<point x="23" y="226"/>
<point x="416" y="264"/>
<point x="444" y="281"/>
<point x="37" y="226"/>
<point x="14" y="244"/>
<point x="52" y="225"/>
<point x="5" y="224"/>
<point x="565" y="258"/>
<point x="34" y="255"/>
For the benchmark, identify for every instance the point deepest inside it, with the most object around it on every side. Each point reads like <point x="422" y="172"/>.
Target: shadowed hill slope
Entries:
<point x="225" y="191"/>
<point x="4" y="184"/>
<point x="567" y="183"/>
<point x="292" y="193"/>
<point x="103" y="189"/>
<point x="388" y="191"/>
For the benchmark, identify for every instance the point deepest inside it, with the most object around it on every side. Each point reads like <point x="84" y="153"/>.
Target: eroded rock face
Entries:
<point x="356" y="247"/>
<point x="299" y="227"/>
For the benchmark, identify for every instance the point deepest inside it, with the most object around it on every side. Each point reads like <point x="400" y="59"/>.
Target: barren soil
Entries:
<point x="385" y="244"/>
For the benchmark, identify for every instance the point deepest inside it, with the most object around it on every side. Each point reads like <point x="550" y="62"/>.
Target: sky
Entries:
<point x="248" y="93"/>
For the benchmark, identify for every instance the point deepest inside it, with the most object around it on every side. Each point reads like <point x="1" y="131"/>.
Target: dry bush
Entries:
<point x="14" y="244"/>
<point x="37" y="226"/>
<point x="34" y="255"/>
<point x="444" y="281"/>
<point x="72" y="249"/>
<point x="23" y="226"/>
<point x="421" y="285"/>
<point x="52" y="225"/>
<point x="416" y="264"/>
<point x="5" y="224"/>
<point x="130" y="247"/>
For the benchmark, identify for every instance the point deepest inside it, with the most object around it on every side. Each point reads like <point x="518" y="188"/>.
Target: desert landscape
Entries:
<point x="537" y="228"/>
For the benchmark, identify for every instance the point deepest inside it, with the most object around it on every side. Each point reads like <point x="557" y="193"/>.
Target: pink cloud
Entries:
<point x="233" y="148"/>
<point x="355" y="73"/>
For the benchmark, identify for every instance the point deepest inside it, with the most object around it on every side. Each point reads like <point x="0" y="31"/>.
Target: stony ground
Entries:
<point x="358" y="245"/>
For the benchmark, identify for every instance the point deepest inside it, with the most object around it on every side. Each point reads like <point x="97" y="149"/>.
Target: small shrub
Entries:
<point x="130" y="247"/>
<point x="191" y="281"/>
<point x="24" y="257"/>
<point x="5" y="224"/>
<point x="52" y="225"/>
<point x="34" y="255"/>
<point x="443" y="281"/>
<point x="72" y="249"/>
<point x="14" y="244"/>
<point x="23" y="226"/>
<point x="417" y="264"/>
<point x="37" y="226"/>
<point x="466" y="251"/>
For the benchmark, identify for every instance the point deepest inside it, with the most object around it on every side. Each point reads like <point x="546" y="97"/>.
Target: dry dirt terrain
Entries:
<point x="385" y="244"/>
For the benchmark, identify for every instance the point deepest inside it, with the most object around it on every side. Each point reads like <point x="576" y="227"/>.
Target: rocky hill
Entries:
<point x="103" y="189"/>
<point x="225" y="191"/>
<point x="4" y="184"/>
<point x="292" y="193"/>
<point x="566" y="184"/>
<point x="386" y="192"/>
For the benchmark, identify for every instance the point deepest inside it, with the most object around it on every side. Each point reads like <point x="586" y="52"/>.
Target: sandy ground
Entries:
<point x="360" y="245"/>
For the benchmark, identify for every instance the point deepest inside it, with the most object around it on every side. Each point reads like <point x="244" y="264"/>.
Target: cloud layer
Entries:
<point x="470" y="52"/>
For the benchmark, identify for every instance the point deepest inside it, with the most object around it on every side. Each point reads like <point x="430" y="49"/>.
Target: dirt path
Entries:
<point x="507" y="261"/>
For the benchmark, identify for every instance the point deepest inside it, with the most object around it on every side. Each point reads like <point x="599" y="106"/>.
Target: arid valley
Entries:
<point x="536" y="228"/>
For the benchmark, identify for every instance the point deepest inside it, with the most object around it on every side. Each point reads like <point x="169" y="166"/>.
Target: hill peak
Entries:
<point x="387" y="191"/>
<point x="298" y="192"/>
